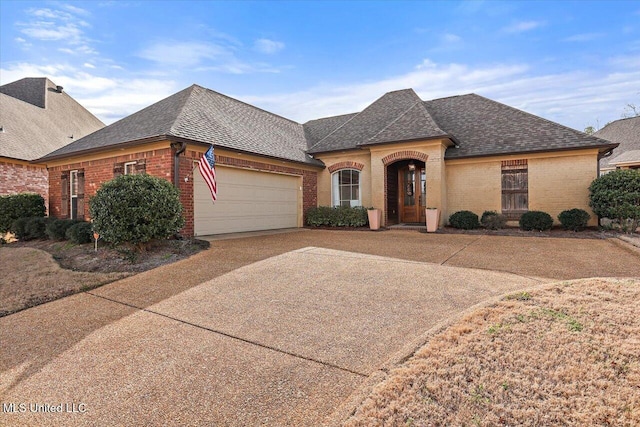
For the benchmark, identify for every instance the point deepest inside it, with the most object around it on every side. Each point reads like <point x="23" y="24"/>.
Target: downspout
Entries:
<point x="600" y="157"/>
<point x="176" y="165"/>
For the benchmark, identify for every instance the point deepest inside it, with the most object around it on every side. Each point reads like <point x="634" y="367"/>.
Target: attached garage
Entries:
<point x="248" y="200"/>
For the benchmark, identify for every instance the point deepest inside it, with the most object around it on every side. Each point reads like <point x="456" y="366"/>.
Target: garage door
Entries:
<point x="247" y="201"/>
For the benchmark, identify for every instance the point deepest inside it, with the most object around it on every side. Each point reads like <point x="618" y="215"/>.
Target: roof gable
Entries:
<point x="376" y="123"/>
<point x="626" y="132"/>
<point x="37" y="119"/>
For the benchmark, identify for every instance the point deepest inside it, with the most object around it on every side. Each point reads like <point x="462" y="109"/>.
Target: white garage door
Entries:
<point x="247" y="201"/>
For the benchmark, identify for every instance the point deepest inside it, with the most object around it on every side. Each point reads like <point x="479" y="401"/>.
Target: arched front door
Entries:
<point x="412" y="192"/>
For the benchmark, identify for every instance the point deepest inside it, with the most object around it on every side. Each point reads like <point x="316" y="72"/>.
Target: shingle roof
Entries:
<point x="37" y="119"/>
<point x="626" y="132"/>
<point x="317" y="129"/>
<point x="203" y="115"/>
<point x="396" y="116"/>
<point x="482" y="127"/>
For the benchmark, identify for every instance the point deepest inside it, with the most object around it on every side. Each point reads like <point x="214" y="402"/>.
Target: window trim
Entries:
<point x="333" y="188"/>
<point x="132" y="165"/>
<point x="73" y="195"/>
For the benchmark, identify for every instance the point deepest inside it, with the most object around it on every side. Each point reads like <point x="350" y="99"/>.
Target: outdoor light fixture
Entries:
<point x="412" y="166"/>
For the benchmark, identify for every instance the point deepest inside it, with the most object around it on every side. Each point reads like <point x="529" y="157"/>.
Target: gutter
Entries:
<point x="176" y="162"/>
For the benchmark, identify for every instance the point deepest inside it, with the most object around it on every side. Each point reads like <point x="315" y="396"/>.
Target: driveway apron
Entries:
<point x="283" y="341"/>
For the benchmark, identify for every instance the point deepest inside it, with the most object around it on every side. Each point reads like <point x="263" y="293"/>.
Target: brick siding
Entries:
<point x="160" y="163"/>
<point x="19" y="178"/>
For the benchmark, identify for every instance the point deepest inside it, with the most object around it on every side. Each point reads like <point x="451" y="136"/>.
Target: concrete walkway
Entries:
<point x="283" y="339"/>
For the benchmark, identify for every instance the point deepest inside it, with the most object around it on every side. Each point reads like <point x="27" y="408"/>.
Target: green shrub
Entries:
<point x="493" y="220"/>
<point x="79" y="233"/>
<point x="35" y="228"/>
<point x="56" y="229"/>
<point x="574" y="219"/>
<point x="466" y="220"/>
<point x="616" y="195"/>
<point x="536" y="220"/>
<point x="340" y="216"/>
<point x="135" y="209"/>
<point x="18" y="206"/>
<point x="18" y="228"/>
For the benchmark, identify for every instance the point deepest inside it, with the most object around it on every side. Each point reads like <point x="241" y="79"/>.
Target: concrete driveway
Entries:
<point x="264" y="330"/>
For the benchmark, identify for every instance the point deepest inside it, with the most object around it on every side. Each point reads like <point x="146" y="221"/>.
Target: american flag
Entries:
<point x="208" y="171"/>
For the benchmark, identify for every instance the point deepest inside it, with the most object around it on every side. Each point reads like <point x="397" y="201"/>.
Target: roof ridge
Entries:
<point x="330" y="117"/>
<point x="541" y="118"/>
<point x="342" y="125"/>
<point x="247" y="104"/>
<point x="174" y="125"/>
<point x="419" y="101"/>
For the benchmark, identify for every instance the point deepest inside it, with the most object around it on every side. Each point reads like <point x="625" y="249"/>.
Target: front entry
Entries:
<point x="412" y="193"/>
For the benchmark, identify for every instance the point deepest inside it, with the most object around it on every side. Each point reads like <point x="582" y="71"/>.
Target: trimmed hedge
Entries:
<point x="79" y="233"/>
<point x="493" y="220"/>
<point x="465" y="220"/>
<point x="339" y="216"/>
<point x="536" y="220"/>
<point x="56" y="229"/>
<point x="18" y="206"/>
<point x="135" y="209"/>
<point x="574" y="219"/>
<point x="18" y="228"/>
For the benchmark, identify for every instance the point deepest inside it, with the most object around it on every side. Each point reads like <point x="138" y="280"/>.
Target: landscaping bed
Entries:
<point x="39" y="271"/>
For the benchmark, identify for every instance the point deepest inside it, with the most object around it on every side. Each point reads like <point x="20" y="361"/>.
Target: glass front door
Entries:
<point x="413" y="194"/>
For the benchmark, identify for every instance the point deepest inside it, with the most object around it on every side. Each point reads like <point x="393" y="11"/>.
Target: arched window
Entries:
<point x="345" y="188"/>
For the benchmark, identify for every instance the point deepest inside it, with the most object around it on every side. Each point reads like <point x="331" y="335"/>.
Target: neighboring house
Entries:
<point x="400" y="155"/>
<point x="36" y="117"/>
<point x="625" y="132"/>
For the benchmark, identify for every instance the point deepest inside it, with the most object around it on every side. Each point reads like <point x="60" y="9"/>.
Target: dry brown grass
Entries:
<point x="30" y="276"/>
<point x="566" y="354"/>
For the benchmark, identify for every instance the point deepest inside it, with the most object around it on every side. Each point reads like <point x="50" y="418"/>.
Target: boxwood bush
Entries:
<point x="493" y="220"/>
<point x="79" y="233"/>
<point x="57" y="228"/>
<point x="339" y="216"/>
<point x="18" y="206"/>
<point x="466" y="220"/>
<point x="134" y="209"/>
<point x="574" y="219"/>
<point x="536" y="220"/>
<point x="616" y="195"/>
<point x="18" y="228"/>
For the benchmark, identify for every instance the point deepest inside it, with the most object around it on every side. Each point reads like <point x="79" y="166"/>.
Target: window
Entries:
<point x="345" y="188"/>
<point x="515" y="188"/>
<point x="73" y="194"/>
<point x="130" y="168"/>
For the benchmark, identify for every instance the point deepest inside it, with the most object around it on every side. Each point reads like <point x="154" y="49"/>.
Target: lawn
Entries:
<point x="31" y="276"/>
<point x="40" y="271"/>
<point x="565" y="354"/>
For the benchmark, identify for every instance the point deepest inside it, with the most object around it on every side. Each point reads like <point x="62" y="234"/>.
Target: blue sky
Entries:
<point x="576" y="63"/>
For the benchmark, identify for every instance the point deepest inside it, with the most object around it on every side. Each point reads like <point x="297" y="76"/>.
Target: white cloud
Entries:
<point x="88" y="65"/>
<point x="574" y="99"/>
<point x="182" y="54"/>
<point x="585" y="37"/>
<point x="523" y="26"/>
<point x="268" y="46"/>
<point x="451" y="38"/>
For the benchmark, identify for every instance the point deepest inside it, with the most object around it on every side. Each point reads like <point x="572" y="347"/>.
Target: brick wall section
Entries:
<point x="345" y="165"/>
<point x="18" y="178"/>
<point x="160" y="163"/>
<point x="404" y="155"/>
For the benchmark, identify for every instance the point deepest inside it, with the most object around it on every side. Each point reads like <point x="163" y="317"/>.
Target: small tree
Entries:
<point x="135" y="209"/>
<point x="616" y="196"/>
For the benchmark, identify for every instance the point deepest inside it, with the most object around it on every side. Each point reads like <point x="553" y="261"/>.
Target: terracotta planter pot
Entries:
<point x="433" y="219"/>
<point x="375" y="217"/>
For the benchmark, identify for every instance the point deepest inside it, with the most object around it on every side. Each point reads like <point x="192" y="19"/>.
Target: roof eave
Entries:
<point x="601" y="149"/>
